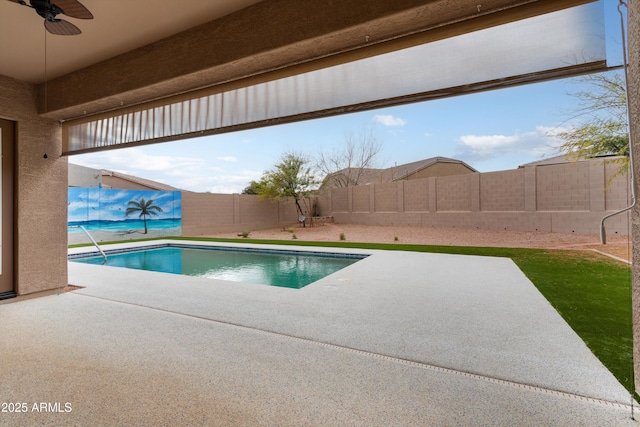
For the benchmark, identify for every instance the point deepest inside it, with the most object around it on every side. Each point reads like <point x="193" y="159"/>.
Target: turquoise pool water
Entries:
<point x="289" y="269"/>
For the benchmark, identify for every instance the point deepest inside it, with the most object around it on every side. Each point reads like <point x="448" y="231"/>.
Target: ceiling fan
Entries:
<point x="48" y="9"/>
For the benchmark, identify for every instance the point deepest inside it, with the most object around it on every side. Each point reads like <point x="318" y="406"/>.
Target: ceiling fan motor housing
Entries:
<point x="46" y="9"/>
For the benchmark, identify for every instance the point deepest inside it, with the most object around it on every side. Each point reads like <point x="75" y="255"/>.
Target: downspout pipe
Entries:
<point x="603" y="233"/>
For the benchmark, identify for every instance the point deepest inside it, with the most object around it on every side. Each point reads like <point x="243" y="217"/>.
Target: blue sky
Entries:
<point x="490" y="131"/>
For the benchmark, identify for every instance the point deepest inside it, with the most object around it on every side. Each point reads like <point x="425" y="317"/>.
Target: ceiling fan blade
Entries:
<point x="61" y="27"/>
<point x="72" y="8"/>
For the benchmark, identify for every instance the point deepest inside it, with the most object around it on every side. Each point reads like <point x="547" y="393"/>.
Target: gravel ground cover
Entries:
<point x="617" y="245"/>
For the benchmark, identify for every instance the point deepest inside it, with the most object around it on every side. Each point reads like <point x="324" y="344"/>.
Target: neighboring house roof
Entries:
<point x="565" y="158"/>
<point x="408" y="169"/>
<point x="398" y="172"/>
<point x="82" y="176"/>
<point x="367" y="175"/>
<point x="152" y="185"/>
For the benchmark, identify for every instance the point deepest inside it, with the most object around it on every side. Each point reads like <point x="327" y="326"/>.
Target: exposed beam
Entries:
<point x="273" y="35"/>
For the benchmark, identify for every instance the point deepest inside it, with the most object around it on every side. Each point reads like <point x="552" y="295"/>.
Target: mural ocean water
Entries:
<point x="102" y="212"/>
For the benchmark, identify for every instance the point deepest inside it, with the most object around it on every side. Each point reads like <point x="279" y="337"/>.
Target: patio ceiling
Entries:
<point x="131" y="53"/>
<point x="118" y="27"/>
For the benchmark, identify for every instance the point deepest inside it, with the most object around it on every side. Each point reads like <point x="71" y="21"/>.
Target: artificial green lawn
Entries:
<point x="591" y="292"/>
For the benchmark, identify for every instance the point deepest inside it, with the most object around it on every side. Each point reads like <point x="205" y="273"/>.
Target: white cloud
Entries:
<point x="134" y="160"/>
<point x="229" y="159"/>
<point x="539" y="143"/>
<point x="553" y="132"/>
<point x="481" y="145"/>
<point x="389" y="120"/>
<point x="221" y="183"/>
<point x="177" y="173"/>
<point x="183" y="172"/>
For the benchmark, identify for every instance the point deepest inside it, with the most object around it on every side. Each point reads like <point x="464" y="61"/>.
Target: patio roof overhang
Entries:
<point x="272" y="40"/>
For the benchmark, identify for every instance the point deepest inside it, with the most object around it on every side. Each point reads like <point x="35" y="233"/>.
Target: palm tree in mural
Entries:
<point x="145" y="207"/>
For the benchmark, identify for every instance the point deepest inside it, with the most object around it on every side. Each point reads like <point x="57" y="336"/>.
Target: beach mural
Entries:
<point x="112" y="214"/>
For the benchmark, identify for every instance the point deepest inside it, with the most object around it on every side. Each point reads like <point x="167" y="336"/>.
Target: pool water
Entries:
<point x="275" y="268"/>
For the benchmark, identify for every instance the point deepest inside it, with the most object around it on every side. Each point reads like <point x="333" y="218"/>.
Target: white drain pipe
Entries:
<point x="603" y="234"/>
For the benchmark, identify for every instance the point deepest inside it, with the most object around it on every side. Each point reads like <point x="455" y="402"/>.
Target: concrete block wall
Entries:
<point x="339" y="200"/>
<point x="564" y="187"/>
<point x="569" y="198"/>
<point x="250" y="212"/>
<point x="415" y="196"/>
<point x="502" y="191"/>
<point x="618" y="190"/>
<point x="200" y="210"/>
<point x="527" y="199"/>
<point x="206" y="214"/>
<point x="386" y="197"/>
<point x="360" y="198"/>
<point x="453" y="193"/>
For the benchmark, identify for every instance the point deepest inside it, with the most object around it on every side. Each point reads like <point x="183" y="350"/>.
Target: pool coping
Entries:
<point x="115" y="248"/>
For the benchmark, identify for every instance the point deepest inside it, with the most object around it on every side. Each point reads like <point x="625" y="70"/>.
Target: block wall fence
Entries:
<point x="207" y="213"/>
<point x="567" y="198"/>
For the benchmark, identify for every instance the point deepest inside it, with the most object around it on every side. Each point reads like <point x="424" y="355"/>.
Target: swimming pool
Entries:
<point x="290" y="269"/>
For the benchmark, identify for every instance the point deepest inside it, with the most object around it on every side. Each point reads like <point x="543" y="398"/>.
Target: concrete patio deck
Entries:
<point x="399" y="338"/>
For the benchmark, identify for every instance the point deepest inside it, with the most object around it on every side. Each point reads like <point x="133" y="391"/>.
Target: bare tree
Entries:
<point x="344" y="166"/>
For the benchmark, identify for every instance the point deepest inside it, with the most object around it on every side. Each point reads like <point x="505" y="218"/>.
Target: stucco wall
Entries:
<point x="634" y="123"/>
<point x="81" y="176"/>
<point x="570" y="197"/>
<point x="40" y="241"/>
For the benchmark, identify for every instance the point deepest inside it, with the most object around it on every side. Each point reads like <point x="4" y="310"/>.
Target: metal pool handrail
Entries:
<point x="92" y="240"/>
